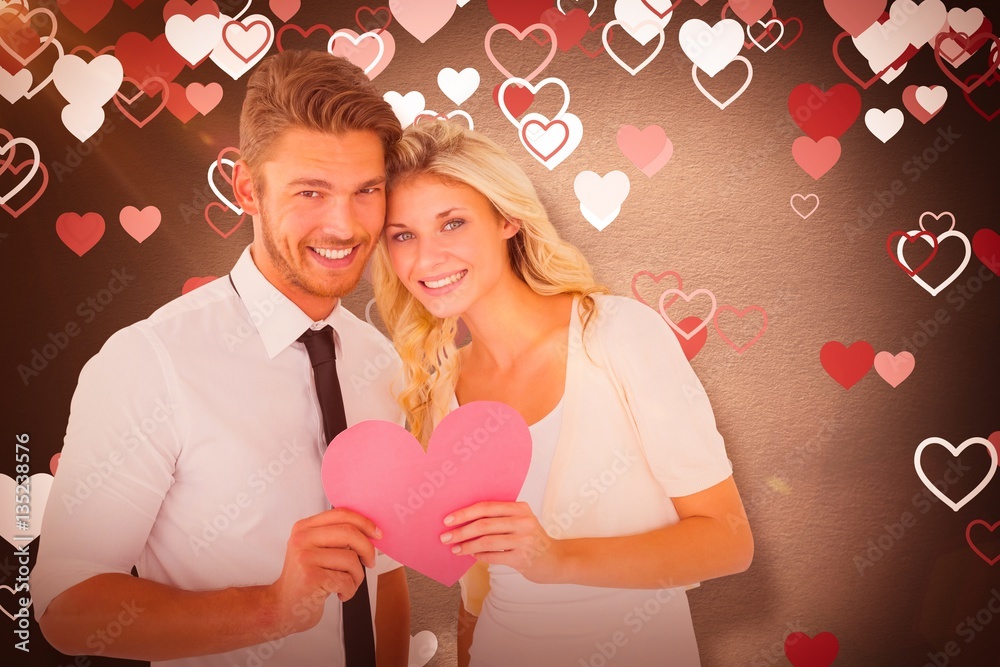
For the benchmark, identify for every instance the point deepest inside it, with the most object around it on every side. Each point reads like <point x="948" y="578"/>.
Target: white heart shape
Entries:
<point x="734" y="96"/>
<point x="458" y="86"/>
<point x="211" y="183"/>
<point x="639" y="20"/>
<point x="36" y="158"/>
<point x="423" y="646"/>
<point x="573" y="134"/>
<point x="601" y="196"/>
<point x="967" y="21"/>
<point x="884" y="124"/>
<point x="14" y="86"/>
<point x="934" y="291"/>
<point x="931" y="99"/>
<point x="82" y="120"/>
<point x="39" y="486"/>
<point x="804" y="198"/>
<point x="88" y="84"/>
<point x="246" y="42"/>
<point x="711" y="47"/>
<point x="356" y="39"/>
<point x="193" y="39"/>
<point x="614" y="56"/>
<point x="451" y="114"/>
<point x="47" y="80"/>
<point x="406" y="107"/>
<point x="955" y="451"/>
<point x="781" y="33"/>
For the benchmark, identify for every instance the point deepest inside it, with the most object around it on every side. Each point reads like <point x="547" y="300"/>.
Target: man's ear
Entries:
<point x="243" y="188"/>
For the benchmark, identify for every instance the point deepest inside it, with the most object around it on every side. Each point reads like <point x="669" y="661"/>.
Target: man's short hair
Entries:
<point x="312" y="90"/>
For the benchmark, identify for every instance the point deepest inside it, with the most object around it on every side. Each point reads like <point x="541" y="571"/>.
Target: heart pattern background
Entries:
<point x="772" y="184"/>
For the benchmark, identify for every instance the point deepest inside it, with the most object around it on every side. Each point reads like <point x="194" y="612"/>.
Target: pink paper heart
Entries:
<point x="478" y="452"/>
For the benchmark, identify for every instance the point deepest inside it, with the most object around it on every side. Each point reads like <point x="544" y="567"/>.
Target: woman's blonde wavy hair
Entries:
<point x="546" y="263"/>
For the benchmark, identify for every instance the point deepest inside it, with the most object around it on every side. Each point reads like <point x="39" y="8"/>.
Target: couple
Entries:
<point x="195" y="437"/>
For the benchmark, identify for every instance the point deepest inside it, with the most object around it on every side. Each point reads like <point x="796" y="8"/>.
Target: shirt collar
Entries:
<point x="277" y="319"/>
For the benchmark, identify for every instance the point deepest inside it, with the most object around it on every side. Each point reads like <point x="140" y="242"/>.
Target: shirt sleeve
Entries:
<point x="114" y="470"/>
<point x="667" y="403"/>
<point x="384" y="563"/>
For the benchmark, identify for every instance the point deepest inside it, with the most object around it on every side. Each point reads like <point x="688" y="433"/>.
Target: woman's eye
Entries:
<point x="402" y="236"/>
<point x="453" y="224"/>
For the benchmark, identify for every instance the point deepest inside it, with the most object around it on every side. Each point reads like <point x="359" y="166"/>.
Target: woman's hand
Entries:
<point x="503" y="533"/>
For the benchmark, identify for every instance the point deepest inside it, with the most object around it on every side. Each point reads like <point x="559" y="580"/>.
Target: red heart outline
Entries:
<point x="846" y="70"/>
<point x="373" y="12"/>
<point x="664" y="14"/>
<point x="43" y="42"/>
<point x="13" y="149"/>
<point x="596" y="28"/>
<point x="968" y="538"/>
<point x="211" y="224"/>
<point x="524" y="132"/>
<point x="164" y="92"/>
<point x="958" y="38"/>
<point x="220" y="167"/>
<point x="305" y="33"/>
<point x="911" y="239"/>
<point x="520" y="35"/>
<point x="656" y="281"/>
<point x="45" y="183"/>
<point x="245" y="28"/>
<point x="740" y="349"/>
<point x="786" y="22"/>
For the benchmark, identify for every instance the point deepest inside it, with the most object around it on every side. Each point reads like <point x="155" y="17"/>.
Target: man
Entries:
<point x="195" y="437"/>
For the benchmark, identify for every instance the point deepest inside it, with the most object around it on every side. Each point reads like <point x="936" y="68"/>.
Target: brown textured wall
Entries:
<point x="822" y="470"/>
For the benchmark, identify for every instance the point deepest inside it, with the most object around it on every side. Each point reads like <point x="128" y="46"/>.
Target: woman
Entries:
<point x="629" y="498"/>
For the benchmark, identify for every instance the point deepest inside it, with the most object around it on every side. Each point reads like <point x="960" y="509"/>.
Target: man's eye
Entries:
<point x="309" y="194"/>
<point x="369" y="191"/>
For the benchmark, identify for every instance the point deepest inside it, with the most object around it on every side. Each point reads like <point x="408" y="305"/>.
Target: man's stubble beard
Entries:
<point x="297" y="278"/>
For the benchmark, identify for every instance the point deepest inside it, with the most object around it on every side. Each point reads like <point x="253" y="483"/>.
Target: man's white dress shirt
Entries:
<point x="194" y="443"/>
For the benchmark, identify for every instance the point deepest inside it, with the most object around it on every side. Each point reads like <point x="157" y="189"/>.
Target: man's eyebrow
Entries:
<point x="326" y="185"/>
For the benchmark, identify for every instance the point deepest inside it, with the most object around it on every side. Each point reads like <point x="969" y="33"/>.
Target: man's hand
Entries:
<point x="325" y="555"/>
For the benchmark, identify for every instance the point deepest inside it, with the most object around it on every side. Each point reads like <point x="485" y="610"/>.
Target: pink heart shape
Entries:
<point x="520" y="35"/>
<point x="816" y="157"/>
<point x="894" y="368"/>
<point x="478" y="452"/>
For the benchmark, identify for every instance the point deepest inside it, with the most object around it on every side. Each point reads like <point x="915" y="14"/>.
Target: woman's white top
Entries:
<point x="633" y="429"/>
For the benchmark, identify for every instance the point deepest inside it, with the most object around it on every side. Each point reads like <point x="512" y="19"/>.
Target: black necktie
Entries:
<point x="359" y="639"/>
